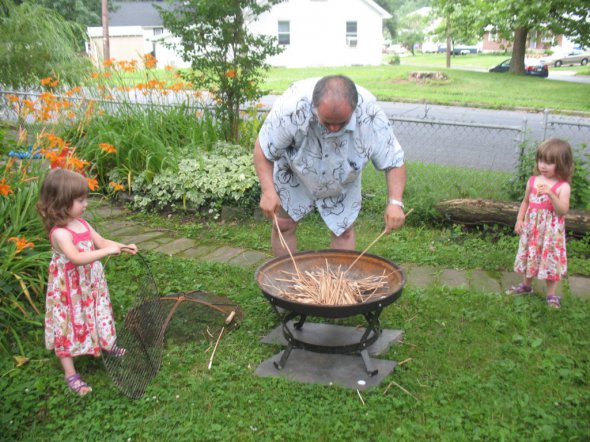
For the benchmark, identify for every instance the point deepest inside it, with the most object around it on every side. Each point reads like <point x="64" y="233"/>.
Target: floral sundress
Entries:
<point x="541" y="250"/>
<point x="78" y="311"/>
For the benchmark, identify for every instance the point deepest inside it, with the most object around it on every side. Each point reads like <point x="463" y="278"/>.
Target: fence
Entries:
<point x="460" y="146"/>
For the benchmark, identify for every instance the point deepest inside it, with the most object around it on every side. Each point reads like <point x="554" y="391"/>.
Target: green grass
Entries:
<point x="463" y="88"/>
<point x="476" y="366"/>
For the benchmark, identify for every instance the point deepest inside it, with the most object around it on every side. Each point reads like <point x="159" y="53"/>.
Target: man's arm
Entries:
<point x="396" y="183"/>
<point x="269" y="199"/>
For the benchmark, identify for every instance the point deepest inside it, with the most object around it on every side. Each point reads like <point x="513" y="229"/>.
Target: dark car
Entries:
<point x="531" y="67"/>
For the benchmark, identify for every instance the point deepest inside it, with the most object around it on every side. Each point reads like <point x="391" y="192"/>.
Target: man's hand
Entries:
<point x="394" y="217"/>
<point x="269" y="203"/>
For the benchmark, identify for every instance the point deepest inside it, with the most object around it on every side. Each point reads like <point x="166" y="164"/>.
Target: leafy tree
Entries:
<point x="515" y="19"/>
<point x="461" y="22"/>
<point x="225" y="57"/>
<point x="36" y="42"/>
<point x="410" y="30"/>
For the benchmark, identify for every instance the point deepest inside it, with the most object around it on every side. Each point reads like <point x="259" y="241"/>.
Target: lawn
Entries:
<point x="462" y="88"/>
<point x="473" y="365"/>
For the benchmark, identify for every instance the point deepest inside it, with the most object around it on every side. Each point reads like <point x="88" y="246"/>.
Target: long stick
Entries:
<point x="284" y="244"/>
<point x="215" y="348"/>
<point x="370" y="245"/>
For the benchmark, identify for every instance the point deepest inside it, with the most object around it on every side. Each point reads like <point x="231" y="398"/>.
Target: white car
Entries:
<point x="571" y="58"/>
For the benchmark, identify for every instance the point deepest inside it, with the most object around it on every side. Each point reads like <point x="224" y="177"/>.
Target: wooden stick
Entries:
<point x="284" y="243"/>
<point x="401" y="388"/>
<point x="371" y="245"/>
<point x="215" y="348"/>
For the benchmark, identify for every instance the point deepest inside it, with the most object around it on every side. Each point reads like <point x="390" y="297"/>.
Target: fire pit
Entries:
<point x="271" y="280"/>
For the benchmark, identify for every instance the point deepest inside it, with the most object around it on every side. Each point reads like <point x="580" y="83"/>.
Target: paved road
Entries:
<point x="431" y="139"/>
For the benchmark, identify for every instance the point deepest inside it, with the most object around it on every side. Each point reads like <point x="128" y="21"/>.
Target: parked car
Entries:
<point x="571" y="58"/>
<point x="464" y="50"/>
<point x="531" y="67"/>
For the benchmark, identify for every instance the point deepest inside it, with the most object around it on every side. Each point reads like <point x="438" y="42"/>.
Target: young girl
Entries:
<point x="540" y="221"/>
<point x="78" y="314"/>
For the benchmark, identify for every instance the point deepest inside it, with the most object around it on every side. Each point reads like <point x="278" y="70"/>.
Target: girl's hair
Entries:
<point x="58" y="192"/>
<point x="558" y="152"/>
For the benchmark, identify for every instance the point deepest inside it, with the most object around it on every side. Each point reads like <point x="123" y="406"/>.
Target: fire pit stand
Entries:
<point x="371" y="334"/>
<point x="271" y="279"/>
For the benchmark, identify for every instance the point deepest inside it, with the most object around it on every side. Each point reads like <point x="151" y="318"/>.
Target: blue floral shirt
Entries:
<point x="315" y="168"/>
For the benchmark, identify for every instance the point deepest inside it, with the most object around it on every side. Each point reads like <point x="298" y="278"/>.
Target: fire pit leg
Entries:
<point x="284" y="356"/>
<point x="371" y="371"/>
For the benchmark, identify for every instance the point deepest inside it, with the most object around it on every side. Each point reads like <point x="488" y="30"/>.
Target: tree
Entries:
<point x="36" y="42"/>
<point x="225" y="57"/>
<point x="410" y="30"/>
<point x="515" y="19"/>
<point x="83" y="12"/>
<point x="461" y="22"/>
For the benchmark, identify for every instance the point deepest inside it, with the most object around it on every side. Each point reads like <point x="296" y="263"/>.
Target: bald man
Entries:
<point x="310" y="153"/>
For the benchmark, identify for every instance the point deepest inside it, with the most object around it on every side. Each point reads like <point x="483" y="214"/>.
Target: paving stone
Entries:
<point x="224" y="254"/>
<point x="509" y="279"/>
<point x="453" y="278"/>
<point x="482" y="281"/>
<point x="197" y="252"/>
<point x="579" y="286"/>
<point x="249" y="258"/>
<point x="113" y="226"/>
<point x="421" y="276"/>
<point x="176" y="246"/>
<point x="128" y="230"/>
<point x="140" y="238"/>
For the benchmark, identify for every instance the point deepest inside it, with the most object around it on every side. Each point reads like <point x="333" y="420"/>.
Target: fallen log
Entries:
<point x="480" y="211"/>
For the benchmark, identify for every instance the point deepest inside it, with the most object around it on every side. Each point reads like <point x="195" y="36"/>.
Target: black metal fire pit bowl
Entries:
<point x="268" y="275"/>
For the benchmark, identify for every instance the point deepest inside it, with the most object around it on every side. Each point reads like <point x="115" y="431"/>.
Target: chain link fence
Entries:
<point x="454" y="159"/>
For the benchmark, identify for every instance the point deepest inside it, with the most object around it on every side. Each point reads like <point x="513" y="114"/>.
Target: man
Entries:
<point x="310" y="153"/>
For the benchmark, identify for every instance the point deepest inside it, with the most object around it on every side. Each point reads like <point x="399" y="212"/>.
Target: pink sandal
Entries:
<point x="77" y="385"/>
<point x="520" y="289"/>
<point x="554" y="301"/>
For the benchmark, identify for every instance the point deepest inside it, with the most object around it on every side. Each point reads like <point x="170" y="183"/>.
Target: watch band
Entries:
<point x="395" y="202"/>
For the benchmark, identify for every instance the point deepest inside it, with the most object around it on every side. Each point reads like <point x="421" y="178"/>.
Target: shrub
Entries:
<point x="224" y="175"/>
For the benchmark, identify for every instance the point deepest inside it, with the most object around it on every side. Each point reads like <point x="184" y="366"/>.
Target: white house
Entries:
<point x="325" y="32"/>
<point x="313" y="33"/>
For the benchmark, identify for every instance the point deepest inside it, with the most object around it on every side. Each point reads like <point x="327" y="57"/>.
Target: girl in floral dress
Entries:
<point x="78" y="314"/>
<point x="540" y="221"/>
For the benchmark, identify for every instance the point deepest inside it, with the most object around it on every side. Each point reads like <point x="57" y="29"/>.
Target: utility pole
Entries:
<point x="106" y="50"/>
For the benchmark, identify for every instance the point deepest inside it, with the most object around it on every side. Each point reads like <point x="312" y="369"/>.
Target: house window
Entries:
<point x="284" y="33"/>
<point x="351" y="34"/>
<point x="158" y="31"/>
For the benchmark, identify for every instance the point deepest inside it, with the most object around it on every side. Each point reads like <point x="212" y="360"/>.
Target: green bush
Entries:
<point x="224" y="175"/>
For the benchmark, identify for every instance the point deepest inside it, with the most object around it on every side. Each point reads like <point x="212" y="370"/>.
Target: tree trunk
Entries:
<point x="448" y="32"/>
<point x="479" y="211"/>
<point x="518" y="51"/>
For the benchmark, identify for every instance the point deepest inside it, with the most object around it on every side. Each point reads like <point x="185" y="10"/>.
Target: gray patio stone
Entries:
<point x="224" y="254"/>
<point x="482" y="281"/>
<point x="176" y="246"/>
<point x="250" y="258"/>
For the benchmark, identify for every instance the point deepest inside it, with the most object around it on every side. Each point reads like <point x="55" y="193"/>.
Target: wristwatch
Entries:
<point x="395" y="202"/>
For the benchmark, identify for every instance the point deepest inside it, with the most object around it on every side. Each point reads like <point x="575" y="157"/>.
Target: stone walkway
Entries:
<point x="113" y="223"/>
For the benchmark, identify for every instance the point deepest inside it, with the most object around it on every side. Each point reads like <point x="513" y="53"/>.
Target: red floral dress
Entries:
<point x="541" y="251"/>
<point x="78" y="312"/>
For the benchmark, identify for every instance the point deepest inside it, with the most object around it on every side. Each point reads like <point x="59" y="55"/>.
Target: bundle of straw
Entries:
<point x="327" y="286"/>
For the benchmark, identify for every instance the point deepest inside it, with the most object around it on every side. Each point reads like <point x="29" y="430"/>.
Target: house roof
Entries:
<point x="378" y="8"/>
<point x="137" y="14"/>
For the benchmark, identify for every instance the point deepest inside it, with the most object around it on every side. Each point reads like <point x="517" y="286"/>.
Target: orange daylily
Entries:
<point x="116" y="186"/>
<point x="92" y="183"/>
<point x="5" y="189"/>
<point x="21" y="243"/>
<point x="231" y="73"/>
<point x="107" y="148"/>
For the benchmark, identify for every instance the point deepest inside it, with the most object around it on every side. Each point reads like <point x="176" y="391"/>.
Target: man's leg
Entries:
<point x="288" y="228"/>
<point x="346" y="241"/>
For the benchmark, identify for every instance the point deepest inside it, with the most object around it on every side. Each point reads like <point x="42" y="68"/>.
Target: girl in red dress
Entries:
<point x="541" y="220"/>
<point x="78" y="312"/>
